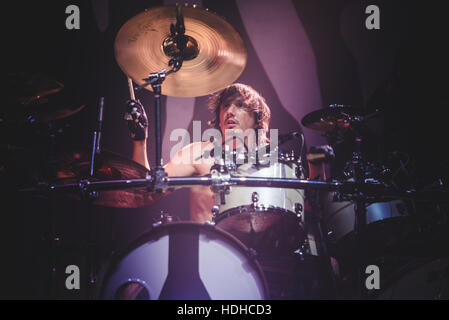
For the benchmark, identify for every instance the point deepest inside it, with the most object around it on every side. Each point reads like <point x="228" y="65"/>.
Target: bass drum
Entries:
<point x="185" y="261"/>
<point x="270" y="220"/>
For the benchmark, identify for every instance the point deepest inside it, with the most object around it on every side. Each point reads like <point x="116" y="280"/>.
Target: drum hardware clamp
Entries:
<point x="220" y="179"/>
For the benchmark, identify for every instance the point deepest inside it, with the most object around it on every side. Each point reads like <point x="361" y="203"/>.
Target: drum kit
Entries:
<point x="261" y="209"/>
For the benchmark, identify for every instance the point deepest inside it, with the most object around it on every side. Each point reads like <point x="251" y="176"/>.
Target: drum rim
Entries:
<point x="283" y="158"/>
<point x="117" y="257"/>
<point x="258" y="208"/>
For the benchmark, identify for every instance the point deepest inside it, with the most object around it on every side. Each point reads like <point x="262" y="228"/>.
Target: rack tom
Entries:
<point x="269" y="220"/>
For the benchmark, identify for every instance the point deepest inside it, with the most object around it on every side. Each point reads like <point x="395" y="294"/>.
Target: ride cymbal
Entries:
<point x="214" y="57"/>
<point x="335" y="117"/>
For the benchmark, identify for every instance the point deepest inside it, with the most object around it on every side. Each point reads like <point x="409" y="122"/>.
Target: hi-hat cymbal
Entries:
<point x="214" y="58"/>
<point x="26" y="87"/>
<point x="57" y="106"/>
<point x="335" y="117"/>
<point x="37" y="98"/>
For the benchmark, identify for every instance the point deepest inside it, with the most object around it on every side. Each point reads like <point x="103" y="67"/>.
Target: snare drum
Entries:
<point x="266" y="219"/>
<point x="185" y="261"/>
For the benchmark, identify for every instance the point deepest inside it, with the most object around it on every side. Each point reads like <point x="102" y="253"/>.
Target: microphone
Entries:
<point x="178" y="30"/>
<point x="179" y="38"/>
<point x="97" y="136"/>
<point x="100" y="125"/>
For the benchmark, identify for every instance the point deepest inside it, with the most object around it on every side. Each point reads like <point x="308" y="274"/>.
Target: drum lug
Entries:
<point x="299" y="171"/>
<point x="209" y="223"/>
<point x="157" y="224"/>
<point x="255" y="199"/>
<point x="304" y="249"/>
<point x="299" y="209"/>
<point x="163" y="218"/>
<point x="215" y="210"/>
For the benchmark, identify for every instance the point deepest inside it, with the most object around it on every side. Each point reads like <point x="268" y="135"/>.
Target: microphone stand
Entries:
<point x="89" y="196"/>
<point x="313" y="196"/>
<point x="357" y="168"/>
<point x="360" y="216"/>
<point x="52" y="235"/>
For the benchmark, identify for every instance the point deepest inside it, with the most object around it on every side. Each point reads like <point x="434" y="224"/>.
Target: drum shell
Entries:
<point x="269" y="220"/>
<point x="339" y="216"/>
<point x="290" y="200"/>
<point x="226" y="268"/>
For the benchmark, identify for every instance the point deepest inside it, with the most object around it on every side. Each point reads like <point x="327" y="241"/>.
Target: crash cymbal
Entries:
<point x="214" y="58"/>
<point x="334" y="117"/>
<point x="74" y="165"/>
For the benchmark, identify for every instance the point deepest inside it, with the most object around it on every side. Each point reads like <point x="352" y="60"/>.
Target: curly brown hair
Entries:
<point x="244" y="96"/>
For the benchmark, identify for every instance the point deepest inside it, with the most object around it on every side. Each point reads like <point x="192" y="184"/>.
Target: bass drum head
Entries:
<point x="185" y="261"/>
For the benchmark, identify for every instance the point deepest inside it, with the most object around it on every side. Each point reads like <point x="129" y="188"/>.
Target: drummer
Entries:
<point x="237" y="107"/>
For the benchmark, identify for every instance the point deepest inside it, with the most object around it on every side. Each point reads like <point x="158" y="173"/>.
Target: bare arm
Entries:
<point x="180" y="166"/>
<point x="183" y="164"/>
<point x="317" y="171"/>
<point x="140" y="153"/>
<point x="316" y="158"/>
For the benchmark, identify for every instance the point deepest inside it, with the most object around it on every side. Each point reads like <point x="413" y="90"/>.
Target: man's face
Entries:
<point x="233" y="116"/>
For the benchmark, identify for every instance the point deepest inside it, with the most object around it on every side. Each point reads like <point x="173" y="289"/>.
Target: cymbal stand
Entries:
<point x="52" y="235"/>
<point x="357" y="170"/>
<point x="314" y="199"/>
<point x="51" y="238"/>
<point x="155" y="80"/>
<point x="89" y="196"/>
